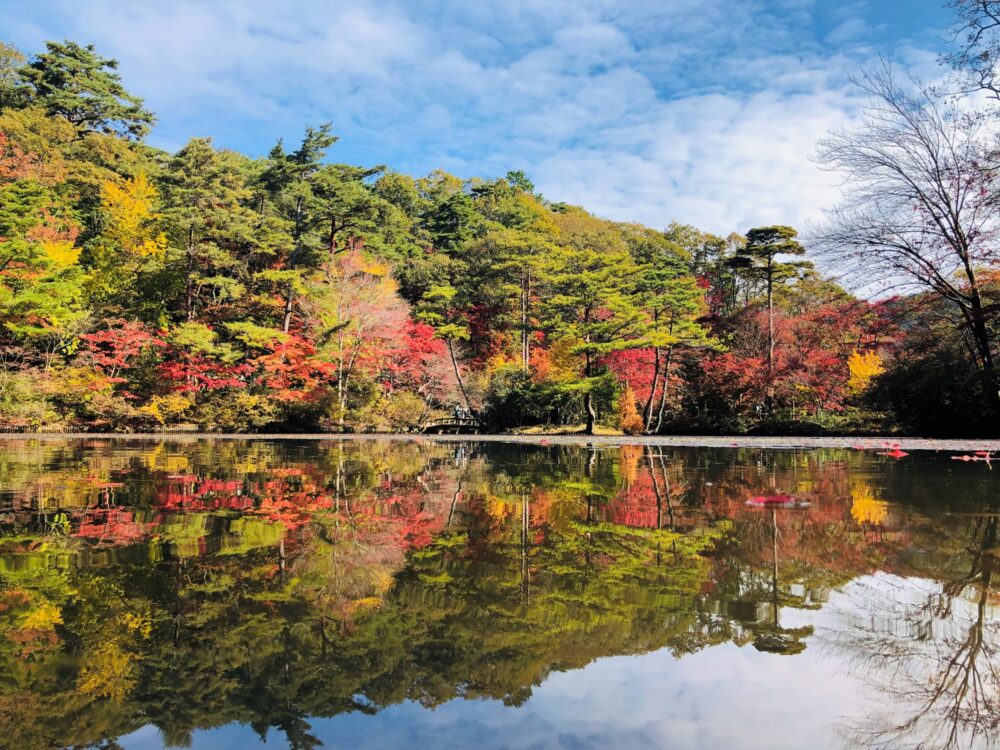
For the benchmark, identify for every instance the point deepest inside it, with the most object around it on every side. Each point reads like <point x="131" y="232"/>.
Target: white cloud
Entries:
<point x="647" y="112"/>
<point x="848" y="31"/>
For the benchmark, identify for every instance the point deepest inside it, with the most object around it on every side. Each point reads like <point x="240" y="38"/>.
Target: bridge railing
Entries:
<point x="464" y="421"/>
<point x="451" y="422"/>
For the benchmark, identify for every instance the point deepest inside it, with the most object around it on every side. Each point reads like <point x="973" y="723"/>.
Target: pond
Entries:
<point x="412" y="593"/>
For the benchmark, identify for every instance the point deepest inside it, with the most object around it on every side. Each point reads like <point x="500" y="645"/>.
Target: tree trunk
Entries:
<point x="666" y="384"/>
<point x="588" y="401"/>
<point x="458" y="377"/>
<point x="981" y="335"/>
<point x="189" y="286"/>
<point x="770" y="327"/>
<point x="770" y="337"/>
<point x="286" y="318"/>
<point x="647" y="412"/>
<point x="525" y="295"/>
<point x="588" y="405"/>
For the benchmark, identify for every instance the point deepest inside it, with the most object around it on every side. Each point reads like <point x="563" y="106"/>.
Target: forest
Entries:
<point x="210" y="290"/>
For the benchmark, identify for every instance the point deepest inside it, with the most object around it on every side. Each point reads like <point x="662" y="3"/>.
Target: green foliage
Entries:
<point x="759" y="256"/>
<point x="11" y="61"/>
<point x="74" y="82"/>
<point x="23" y="404"/>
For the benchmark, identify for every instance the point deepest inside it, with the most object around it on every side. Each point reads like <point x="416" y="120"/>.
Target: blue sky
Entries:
<point x="701" y="111"/>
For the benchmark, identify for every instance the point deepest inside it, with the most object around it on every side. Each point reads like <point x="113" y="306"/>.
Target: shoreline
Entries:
<point x="679" y="441"/>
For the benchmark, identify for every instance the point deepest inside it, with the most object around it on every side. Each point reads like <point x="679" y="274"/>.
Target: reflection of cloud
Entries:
<point x="646" y="112"/>
<point x="929" y="649"/>
<point x="721" y="697"/>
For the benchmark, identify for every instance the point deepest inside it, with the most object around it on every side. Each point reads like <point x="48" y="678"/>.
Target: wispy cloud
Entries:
<point x="705" y="112"/>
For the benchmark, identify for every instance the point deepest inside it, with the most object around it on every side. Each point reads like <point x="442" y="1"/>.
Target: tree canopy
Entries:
<point x="293" y="291"/>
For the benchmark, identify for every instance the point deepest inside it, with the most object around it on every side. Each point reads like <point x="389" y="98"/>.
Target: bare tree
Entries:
<point x="977" y="32"/>
<point x="919" y="211"/>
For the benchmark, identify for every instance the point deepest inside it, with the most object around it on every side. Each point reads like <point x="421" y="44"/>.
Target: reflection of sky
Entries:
<point x="721" y="697"/>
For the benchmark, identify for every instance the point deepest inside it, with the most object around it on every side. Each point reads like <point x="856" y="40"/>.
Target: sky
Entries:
<point x="705" y="112"/>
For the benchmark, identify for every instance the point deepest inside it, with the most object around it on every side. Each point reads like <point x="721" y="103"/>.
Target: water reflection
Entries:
<point x="193" y="585"/>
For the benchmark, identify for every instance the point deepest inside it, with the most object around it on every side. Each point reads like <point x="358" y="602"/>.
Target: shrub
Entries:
<point x="23" y="403"/>
<point x="399" y="411"/>
<point x="167" y="409"/>
<point x="236" y="410"/>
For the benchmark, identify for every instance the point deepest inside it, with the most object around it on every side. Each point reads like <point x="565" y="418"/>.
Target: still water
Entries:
<point x="376" y="594"/>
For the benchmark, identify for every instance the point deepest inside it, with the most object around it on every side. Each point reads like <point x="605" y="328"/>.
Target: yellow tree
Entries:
<point x="863" y="366"/>
<point x="130" y="241"/>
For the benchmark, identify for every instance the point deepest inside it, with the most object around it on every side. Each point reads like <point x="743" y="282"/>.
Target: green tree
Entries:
<point x="519" y="181"/>
<point x="590" y="302"/>
<point x="439" y="310"/>
<point x="288" y="190"/>
<point x="345" y="205"/>
<point x="208" y="223"/>
<point x="11" y="60"/>
<point x="41" y="295"/>
<point x="73" y="81"/>
<point x="672" y="302"/>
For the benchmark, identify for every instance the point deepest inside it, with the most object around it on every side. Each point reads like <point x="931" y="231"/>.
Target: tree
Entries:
<point x="673" y="302"/>
<point x="451" y="221"/>
<point x="344" y="204"/>
<point x="502" y="273"/>
<point x="977" y="29"/>
<point x="114" y="349"/>
<point x="287" y="188"/>
<point x="41" y="296"/>
<point x="519" y="181"/>
<point x="358" y="318"/>
<point x="590" y="302"/>
<point x="863" y="366"/>
<point x="207" y="220"/>
<point x="918" y="211"/>
<point x="130" y="242"/>
<point x="438" y="310"/>
<point x="11" y="61"/>
<point x="73" y="81"/>
<point x="758" y="259"/>
<point x="629" y="420"/>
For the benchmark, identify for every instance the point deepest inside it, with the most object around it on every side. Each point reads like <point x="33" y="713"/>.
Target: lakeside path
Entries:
<point x="681" y="441"/>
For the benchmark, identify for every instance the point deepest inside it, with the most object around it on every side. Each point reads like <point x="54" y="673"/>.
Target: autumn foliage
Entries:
<point x="207" y="289"/>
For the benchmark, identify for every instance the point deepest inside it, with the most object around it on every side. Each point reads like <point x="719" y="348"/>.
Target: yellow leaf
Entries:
<point x="61" y="254"/>
<point x="863" y="367"/>
<point x="129" y="219"/>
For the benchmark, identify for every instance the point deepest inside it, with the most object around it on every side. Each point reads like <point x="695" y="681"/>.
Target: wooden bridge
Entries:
<point x="452" y="426"/>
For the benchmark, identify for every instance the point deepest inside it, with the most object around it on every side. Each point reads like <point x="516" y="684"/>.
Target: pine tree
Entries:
<point x="590" y="302"/>
<point x="210" y="228"/>
<point x="73" y="81"/>
<point x="672" y="301"/>
<point x="758" y="259"/>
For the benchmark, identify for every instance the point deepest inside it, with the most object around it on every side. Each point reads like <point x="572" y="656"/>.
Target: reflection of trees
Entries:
<point x="933" y="647"/>
<point x="267" y="583"/>
<point x="769" y="635"/>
